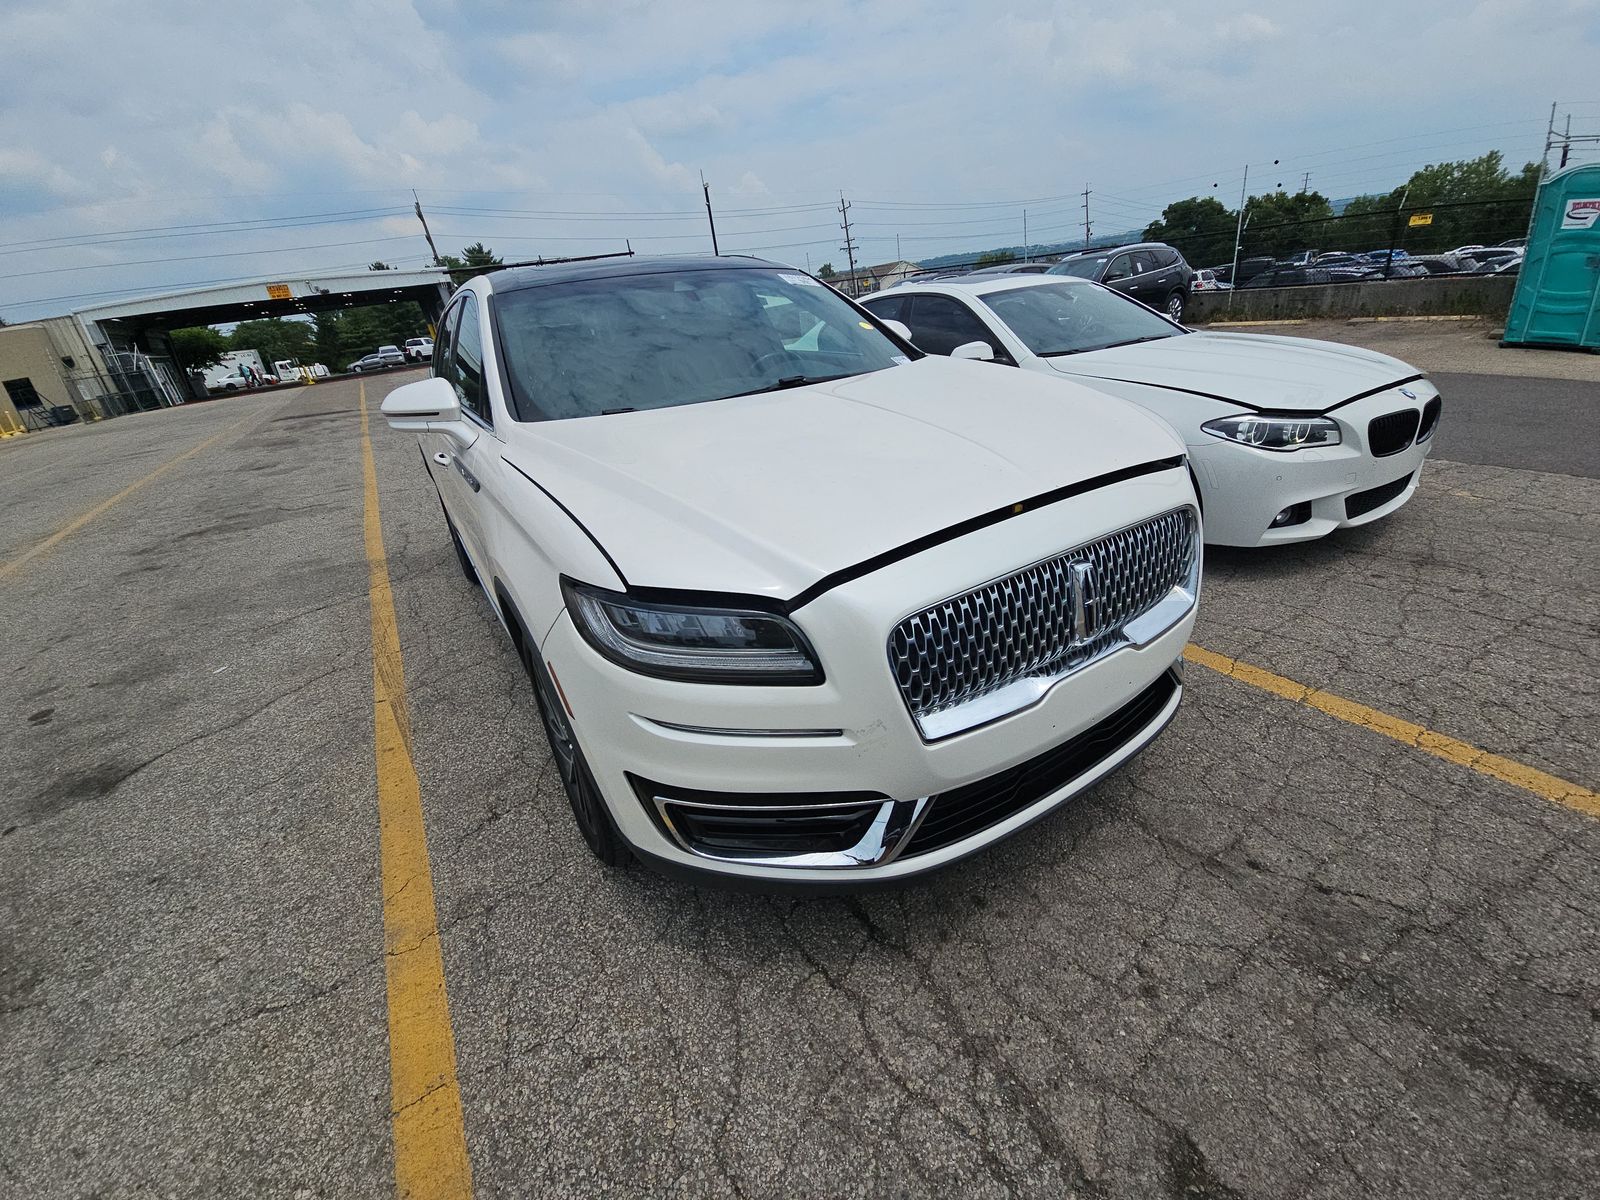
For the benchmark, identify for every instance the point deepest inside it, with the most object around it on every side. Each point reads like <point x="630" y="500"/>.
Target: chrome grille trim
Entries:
<point x="999" y="647"/>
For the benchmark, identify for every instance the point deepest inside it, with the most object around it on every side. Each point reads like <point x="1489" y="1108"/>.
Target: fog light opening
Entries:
<point x="1295" y="514"/>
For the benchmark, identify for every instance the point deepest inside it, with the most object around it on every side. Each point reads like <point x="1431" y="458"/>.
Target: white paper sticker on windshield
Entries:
<point x="802" y="280"/>
<point x="898" y="358"/>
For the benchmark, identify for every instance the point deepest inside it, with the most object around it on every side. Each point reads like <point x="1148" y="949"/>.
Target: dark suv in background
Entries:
<point x="1150" y="272"/>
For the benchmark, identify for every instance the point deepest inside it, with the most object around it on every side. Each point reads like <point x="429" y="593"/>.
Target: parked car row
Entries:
<point x="1340" y="266"/>
<point x="820" y="593"/>
<point x="383" y="357"/>
<point x="415" y="350"/>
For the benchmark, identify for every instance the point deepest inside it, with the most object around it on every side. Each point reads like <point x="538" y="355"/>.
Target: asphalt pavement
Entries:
<point x="1280" y="955"/>
<point x="1546" y="425"/>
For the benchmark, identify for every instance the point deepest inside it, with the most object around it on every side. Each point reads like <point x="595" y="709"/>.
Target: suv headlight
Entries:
<point x="705" y="644"/>
<point x="1267" y="431"/>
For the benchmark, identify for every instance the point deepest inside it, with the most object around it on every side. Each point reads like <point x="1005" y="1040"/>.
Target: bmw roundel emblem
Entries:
<point x="1408" y="393"/>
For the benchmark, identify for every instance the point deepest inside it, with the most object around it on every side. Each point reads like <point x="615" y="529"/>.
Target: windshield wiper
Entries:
<point x="1149" y="337"/>
<point x="792" y="381"/>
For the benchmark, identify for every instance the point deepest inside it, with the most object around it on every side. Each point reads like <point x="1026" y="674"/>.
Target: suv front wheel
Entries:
<point x="588" y="808"/>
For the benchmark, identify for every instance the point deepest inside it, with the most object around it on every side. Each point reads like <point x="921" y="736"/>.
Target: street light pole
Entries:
<point x="1238" y="235"/>
<point x="706" y="188"/>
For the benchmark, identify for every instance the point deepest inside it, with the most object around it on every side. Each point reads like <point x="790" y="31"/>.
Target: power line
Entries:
<point x="66" y="242"/>
<point x="147" y="262"/>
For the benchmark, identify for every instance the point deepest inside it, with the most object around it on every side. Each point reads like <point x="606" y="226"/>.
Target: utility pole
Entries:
<point x="1394" y="232"/>
<point x="849" y="246"/>
<point x="1086" y="230"/>
<point x="897" y="248"/>
<point x="1027" y="249"/>
<point x="706" y="188"/>
<point x="1549" y="138"/>
<point x="1238" y="234"/>
<point x="1566" y="144"/>
<point x="437" y="261"/>
<point x="1305" y="183"/>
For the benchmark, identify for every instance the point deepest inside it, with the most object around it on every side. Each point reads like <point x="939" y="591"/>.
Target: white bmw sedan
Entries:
<point x="1289" y="438"/>
<point x="797" y="607"/>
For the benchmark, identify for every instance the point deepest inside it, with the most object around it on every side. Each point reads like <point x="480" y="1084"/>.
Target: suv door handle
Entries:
<point x="442" y="459"/>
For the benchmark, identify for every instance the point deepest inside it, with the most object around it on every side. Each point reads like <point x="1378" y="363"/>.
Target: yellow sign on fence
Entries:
<point x="1420" y="219"/>
<point x="279" y="291"/>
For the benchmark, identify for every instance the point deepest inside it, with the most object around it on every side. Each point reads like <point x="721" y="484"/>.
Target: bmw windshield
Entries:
<point x="620" y="343"/>
<point x="1053" y="319"/>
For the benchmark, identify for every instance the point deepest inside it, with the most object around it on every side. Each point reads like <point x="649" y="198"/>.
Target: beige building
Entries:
<point x="50" y="364"/>
<point x="873" y="279"/>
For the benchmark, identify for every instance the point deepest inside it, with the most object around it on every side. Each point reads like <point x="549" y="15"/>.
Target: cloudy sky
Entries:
<point x="147" y="146"/>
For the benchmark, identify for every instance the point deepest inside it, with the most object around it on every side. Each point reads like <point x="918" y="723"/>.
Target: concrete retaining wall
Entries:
<point x="1478" y="295"/>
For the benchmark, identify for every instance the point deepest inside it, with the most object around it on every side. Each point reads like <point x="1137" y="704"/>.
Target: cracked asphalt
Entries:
<point x="1277" y="956"/>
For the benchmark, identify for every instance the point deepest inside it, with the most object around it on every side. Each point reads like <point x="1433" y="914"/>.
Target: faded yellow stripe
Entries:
<point x="1453" y="750"/>
<point x="14" y="565"/>
<point x="430" y="1141"/>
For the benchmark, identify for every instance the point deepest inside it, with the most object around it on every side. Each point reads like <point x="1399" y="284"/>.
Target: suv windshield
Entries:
<point x="616" y="344"/>
<point x="1069" y="318"/>
<point x="1084" y="268"/>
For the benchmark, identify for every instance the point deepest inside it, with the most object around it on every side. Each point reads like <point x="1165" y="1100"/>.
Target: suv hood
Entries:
<point x="1255" y="370"/>
<point x="764" y="495"/>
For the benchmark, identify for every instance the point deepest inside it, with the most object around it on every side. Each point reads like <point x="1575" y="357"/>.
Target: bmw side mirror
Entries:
<point x="977" y="351"/>
<point x="429" y="405"/>
<point x="899" y="329"/>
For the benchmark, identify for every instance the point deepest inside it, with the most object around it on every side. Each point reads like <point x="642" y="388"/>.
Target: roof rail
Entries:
<point x="551" y="262"/>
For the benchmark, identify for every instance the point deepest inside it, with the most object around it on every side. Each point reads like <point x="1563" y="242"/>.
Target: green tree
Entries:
<point x="196" y="349"/>
<point x="996" y="258"/>
<point x="1474" y="200"/>
<point x="470" y="262"/>
<point x="361" y="331"/>
<point x="380" y="265"/>
<point x="274" y="338"/>
<point x="327" y="336"/>
<point x="1280" y="223"/>
<point x="1201" y="228"/>
<point x="826" y="271"/>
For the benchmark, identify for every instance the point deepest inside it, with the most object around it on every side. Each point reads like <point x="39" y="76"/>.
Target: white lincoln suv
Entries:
<point x="799" y="603"/>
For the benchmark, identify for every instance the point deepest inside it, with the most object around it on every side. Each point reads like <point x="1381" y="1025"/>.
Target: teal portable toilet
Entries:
<point x="1557" y="301"/>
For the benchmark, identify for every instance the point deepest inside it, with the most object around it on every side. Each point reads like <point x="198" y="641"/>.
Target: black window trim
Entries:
<point x="464" y="298"/>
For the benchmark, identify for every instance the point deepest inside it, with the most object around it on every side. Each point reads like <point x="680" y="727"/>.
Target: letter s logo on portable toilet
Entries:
<point x="1581" y="213"/>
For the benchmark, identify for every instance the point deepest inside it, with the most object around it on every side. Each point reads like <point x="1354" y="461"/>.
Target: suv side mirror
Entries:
<point x="898" y="328"/>
<point x="428" y="406"/>
<point x="976" y="351"/>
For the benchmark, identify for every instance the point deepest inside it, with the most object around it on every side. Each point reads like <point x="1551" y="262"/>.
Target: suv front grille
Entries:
<point x="1038" y="623"/>
<point x="1392" y="432"/>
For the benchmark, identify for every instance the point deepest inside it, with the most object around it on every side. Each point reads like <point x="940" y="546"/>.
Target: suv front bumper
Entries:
<point x="684" y="767"/>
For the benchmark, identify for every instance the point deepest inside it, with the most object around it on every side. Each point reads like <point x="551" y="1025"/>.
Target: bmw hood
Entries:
<point x="1255" y="370"/>
<point x="766" y="494"/>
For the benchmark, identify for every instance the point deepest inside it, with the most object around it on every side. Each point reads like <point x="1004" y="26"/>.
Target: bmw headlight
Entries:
<point x="709" y="644"/>
<point x="1269" y="431"/>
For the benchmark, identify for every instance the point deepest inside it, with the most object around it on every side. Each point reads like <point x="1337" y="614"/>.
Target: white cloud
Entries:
<point x="556" y="109"/>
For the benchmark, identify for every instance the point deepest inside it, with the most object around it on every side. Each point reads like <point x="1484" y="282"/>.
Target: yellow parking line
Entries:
<point x="430" y="1141"/>
<point x="1453" y="750"/>
<point x="11" y="566"/>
